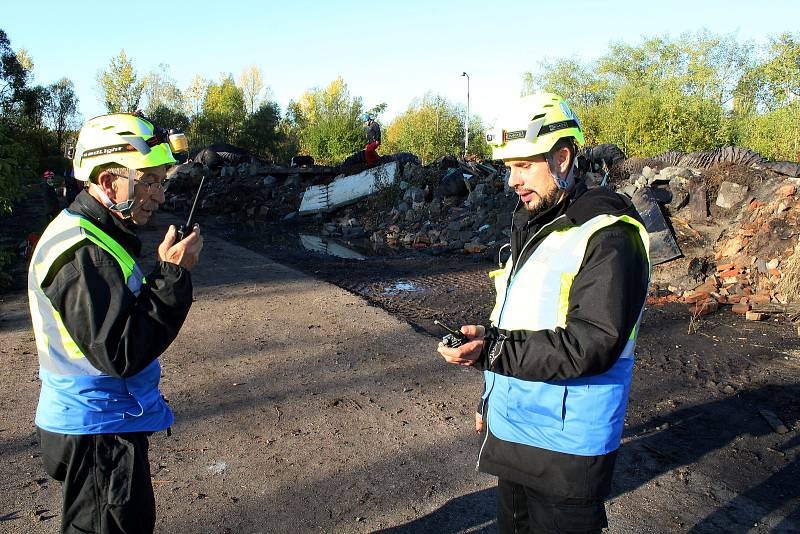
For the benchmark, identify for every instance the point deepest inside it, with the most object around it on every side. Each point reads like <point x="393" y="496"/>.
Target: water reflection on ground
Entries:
<point x="275" y="239"/>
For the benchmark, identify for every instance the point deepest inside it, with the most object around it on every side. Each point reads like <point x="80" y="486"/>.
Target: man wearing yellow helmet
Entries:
<point x="557" y="355"/>
<point x="100" y="326"/>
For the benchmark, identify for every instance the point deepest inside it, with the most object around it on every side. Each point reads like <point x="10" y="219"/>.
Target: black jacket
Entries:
<point x="119" y="333"/>
<point x="605" y="300"/>
<point x="373" y="133"/>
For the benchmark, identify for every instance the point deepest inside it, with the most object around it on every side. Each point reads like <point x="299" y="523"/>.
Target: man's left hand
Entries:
<point x="468" y="353"/>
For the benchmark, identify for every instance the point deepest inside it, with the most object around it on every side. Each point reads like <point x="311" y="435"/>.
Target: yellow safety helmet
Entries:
<point x="533" y="127"/>
<point x="130" y="141"/>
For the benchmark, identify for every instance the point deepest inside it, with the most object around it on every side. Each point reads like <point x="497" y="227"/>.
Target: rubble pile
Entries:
<point x="721" y="233"/>
<point x="241" y="192"/>
<point x="449" y="205"/>
<point x="752" y="251"/>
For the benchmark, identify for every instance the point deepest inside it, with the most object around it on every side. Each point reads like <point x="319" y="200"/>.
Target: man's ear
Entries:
<point x="562" y="157"/>
<point x="106" y="182"/>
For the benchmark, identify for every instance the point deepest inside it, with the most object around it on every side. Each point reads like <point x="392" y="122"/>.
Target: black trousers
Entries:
<point x="105" y="481"/>
<point x="522" y="510"/>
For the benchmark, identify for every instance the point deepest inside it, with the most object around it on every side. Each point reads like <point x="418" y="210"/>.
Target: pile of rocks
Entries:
<point x="461" y="208"/>
<point x="752" y="252"/>
<point x="736" y="226"/>
<point x="235" y="191"/>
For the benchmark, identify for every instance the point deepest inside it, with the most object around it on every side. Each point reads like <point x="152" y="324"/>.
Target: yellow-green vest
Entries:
<point x="582" y="416"/>
<point x="76" y="397"/>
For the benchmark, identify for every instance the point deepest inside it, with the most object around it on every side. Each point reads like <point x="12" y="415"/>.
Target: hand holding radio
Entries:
<point x="185" y="252"/>
<point x="462" y="347"/>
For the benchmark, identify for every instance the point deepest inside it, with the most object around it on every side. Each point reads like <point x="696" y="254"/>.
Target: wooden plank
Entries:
<point x="698" y="204"/>
<point x="776" y="308"/>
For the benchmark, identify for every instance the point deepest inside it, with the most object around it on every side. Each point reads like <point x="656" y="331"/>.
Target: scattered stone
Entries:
<point x="753" y="316"/>
<point x="731" y="194"/>
<point x="774" y="421"/>
<point x="474" y="248"/>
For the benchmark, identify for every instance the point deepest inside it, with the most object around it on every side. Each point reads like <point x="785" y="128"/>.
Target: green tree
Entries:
<point x="223" y="114"/>
<point x="432" y="127"/>
<point x="194" y="94"/>
<point x="251" y="84"/>
<point x="61" y="110"/>
<point x="327" y="122"/>
<point x="779" y="74"/>
<point x="13" y="78"/>
<point x="120" y="88"/>
<point x="568" y="77"/>
<point x="260" y="134"/>
<point x="168" y="117"/>
<point x="160" y="90"/>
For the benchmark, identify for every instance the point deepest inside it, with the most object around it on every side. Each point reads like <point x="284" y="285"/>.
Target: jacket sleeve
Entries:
<point x="118" y="332"/>
<point x="605" y="300"/>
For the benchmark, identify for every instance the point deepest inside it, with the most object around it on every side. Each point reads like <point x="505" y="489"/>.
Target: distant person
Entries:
<point x="49" y="196"/>
<point x="100" y="327"/>
<point x="373" y="130"/>
<point x="71" y="186"/>
<point x="558" y="353"/>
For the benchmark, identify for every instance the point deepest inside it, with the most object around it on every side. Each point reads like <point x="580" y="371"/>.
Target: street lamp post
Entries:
<point x="466" y="119"/>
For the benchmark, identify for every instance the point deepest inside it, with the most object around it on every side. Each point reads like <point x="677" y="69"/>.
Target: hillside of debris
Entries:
<point x="723" y="224"/>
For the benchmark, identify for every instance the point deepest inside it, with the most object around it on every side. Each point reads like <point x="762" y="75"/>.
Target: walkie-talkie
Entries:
<point x="454" y="338"/>
<point x="187" y="228"/>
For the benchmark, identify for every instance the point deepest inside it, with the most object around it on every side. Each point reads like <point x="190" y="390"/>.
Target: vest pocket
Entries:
<point x="536" y="403"/>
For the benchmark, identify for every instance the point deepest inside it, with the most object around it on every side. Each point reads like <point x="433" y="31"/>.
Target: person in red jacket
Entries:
<point x="373" y="139"/>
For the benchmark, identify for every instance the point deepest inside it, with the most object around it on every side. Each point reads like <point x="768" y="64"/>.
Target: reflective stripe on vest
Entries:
<point x="77" y="398"/>
<point x="582" y="416"/>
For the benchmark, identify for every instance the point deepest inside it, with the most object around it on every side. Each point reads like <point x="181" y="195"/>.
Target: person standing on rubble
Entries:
<point x="49" y="196"/>
<point x="100" y="326"/>
<point x="373" y="130"/>
<point x="557" y="356"/>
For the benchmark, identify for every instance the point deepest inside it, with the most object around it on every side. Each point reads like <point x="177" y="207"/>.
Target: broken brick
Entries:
<point x="787" y="190"/>
<point x="696" y="296"/>
<point x="740" y="308"/>
<point x="705" y="307"/>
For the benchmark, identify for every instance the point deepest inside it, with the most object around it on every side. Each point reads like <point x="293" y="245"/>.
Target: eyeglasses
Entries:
<point x="149" y="187"/>
<point x="154" y="187"/>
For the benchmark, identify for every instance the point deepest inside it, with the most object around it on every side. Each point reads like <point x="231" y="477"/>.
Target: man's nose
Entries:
<point x="513" y="178"/>
<point x="159" y="196"/>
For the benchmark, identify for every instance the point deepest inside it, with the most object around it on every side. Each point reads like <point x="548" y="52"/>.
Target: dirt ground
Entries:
<point x="309" y="398"/>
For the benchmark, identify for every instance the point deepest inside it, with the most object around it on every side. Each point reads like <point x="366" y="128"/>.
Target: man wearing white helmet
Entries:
<point x="100" y="326"/>
<point x="557" y="355"/>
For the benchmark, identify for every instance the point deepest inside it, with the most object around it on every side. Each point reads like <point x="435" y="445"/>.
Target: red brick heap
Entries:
<point x="749" y="262"/>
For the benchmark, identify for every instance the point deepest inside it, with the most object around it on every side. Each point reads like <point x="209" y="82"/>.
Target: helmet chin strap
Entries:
<point x="123" y="208"/>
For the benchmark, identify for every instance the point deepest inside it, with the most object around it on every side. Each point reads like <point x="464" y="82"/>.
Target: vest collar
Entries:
<point x="87" y="206"/>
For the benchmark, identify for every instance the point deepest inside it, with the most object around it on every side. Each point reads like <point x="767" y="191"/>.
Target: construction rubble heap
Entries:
<point x="723" y="224"/>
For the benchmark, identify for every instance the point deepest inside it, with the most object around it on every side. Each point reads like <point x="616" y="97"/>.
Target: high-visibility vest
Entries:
<point x="76" y="397"/>
<point x="583" y="416"/>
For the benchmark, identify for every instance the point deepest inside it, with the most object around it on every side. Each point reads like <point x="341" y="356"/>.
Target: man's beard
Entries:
<point x="546" y="202"/>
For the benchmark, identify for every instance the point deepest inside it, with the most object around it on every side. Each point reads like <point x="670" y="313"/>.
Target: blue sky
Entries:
<point x="386" y="51"/>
